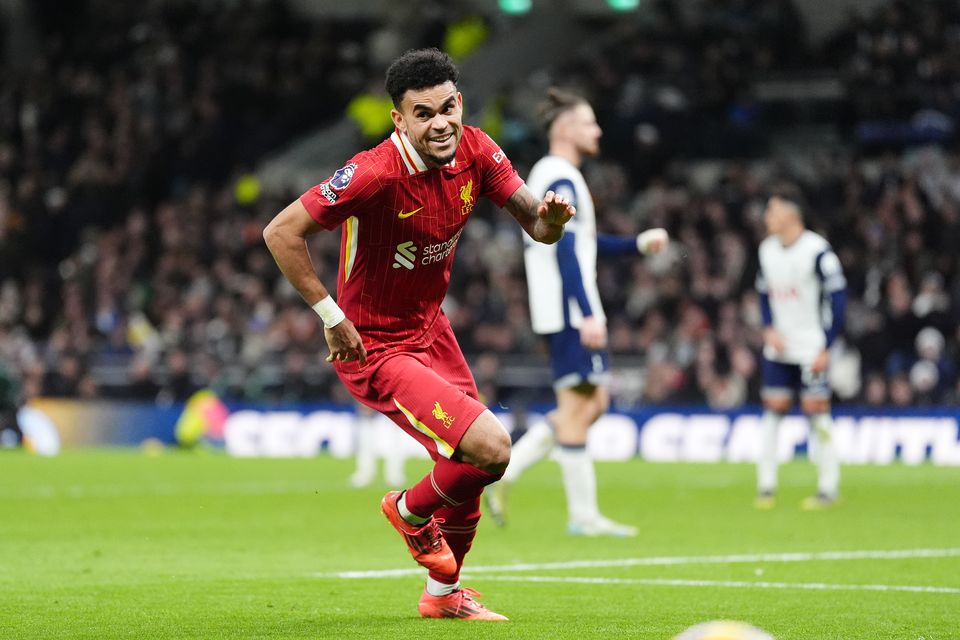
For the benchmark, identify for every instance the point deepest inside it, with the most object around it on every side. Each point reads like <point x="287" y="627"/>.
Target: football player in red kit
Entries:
<point x="402" y="206"/>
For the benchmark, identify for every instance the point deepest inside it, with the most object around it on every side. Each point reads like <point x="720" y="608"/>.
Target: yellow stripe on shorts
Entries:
<point x="443" y="448"/>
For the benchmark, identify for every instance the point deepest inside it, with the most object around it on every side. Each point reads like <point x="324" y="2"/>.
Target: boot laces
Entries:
<point x="431" y="532"/>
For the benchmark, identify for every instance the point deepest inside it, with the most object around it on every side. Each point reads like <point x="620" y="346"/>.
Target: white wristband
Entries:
<point x="648" y="237"/>
<point x="330" y="312"/>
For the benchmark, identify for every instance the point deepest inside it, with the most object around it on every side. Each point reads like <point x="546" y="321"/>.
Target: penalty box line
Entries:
<point x="888" y="554"/>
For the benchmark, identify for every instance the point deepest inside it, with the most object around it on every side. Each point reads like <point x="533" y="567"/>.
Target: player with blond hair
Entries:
<point x="565" y="308"/>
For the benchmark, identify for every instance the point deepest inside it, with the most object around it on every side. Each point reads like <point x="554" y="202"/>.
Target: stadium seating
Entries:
<point x="130" y="251"/>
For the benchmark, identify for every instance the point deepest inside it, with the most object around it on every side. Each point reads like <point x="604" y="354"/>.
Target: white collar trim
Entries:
<point x="411" y="159"/>
<point x="408" y="154"/>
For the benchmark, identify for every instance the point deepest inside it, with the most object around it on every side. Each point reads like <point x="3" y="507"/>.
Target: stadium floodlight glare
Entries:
<point x="623" y="5"/>
<point x="515" y="7"/>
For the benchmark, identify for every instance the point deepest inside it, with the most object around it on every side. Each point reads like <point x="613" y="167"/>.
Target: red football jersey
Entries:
<point x="401" y="224"/>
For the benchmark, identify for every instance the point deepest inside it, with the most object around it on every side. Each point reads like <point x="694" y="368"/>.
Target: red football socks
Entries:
<point x="450" y="484"/>
<point x="459" y="528"/>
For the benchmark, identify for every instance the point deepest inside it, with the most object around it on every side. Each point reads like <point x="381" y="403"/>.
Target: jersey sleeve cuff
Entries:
<point x="312" y="201"/>
<point x="507" y="189"/>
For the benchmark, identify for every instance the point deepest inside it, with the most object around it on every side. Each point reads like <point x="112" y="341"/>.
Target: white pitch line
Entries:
<point x="162" y="490"/>
<point x="891" y="554"/>
<point x="741" y="584"/>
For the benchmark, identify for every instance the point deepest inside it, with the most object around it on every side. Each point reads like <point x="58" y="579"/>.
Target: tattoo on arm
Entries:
<point x="522" y="205"/>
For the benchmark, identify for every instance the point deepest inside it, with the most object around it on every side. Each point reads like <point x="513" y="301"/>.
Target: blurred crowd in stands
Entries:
<point x="131" y="258"/>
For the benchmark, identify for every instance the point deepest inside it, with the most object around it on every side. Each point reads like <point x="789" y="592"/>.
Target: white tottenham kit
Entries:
<point x="550" y="310"/>
<point x="798" y="280"/>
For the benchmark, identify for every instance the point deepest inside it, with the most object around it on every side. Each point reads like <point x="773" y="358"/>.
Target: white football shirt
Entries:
<point x="550" y="310"/>
<point x="799" y="293"/>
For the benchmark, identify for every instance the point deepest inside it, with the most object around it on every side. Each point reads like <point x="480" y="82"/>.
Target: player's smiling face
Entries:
<point x="433" y="120"/>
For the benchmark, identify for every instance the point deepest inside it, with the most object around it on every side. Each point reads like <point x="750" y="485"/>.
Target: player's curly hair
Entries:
<point x="558" y="101"/>
<point x="417" y="69"/>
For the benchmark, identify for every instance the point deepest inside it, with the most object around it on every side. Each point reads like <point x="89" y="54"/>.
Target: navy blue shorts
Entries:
<point x="573" y="364"/>
<point x="783" y="379"/>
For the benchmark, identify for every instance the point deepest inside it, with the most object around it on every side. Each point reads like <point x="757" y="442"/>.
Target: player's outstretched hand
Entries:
<point x="345" y="343"/>
<point x="555" y="209"/>
<point x="652" y="241"/>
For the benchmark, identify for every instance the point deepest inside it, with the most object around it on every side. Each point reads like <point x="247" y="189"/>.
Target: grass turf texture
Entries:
<point x="117" y="544"/>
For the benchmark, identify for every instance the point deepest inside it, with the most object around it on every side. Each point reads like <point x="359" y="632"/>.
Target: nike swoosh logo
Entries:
<point x="402" y="215"/>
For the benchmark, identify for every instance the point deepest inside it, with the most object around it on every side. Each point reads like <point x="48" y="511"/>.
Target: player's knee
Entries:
<point x="814" y="406"/>
<point x="499" y="456"/>
<point x="594" y="411"/>
<point x="777" y="405"/>
<point x="601" y="402"/>
<point x="492" y="454"/>
<point x="486" y="445"/>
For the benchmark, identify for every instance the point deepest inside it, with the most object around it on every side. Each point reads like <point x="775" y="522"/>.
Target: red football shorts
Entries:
<point x="430" y="394"/>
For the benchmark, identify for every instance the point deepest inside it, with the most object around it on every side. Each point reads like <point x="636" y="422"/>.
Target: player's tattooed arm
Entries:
<point x="542" y="220"/>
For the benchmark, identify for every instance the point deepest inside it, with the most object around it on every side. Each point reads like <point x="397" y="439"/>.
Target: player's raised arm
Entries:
<point x="286" y="238"/>
<point x="542" y="220"/>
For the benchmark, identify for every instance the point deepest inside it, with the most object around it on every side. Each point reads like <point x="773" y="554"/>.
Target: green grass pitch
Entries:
<point x="118" y="544"/>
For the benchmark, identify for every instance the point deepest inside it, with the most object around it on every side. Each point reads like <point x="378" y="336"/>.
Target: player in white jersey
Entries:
<point x="369" y="449"/>
<point x="565" y="307"/>
<point x="803" y="296"/>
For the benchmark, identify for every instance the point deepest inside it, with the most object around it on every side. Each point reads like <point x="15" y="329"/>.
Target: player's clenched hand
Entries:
<point x="555" y="209"/>
<point x="652" y="241"/>
<point x="593" y="333"/>
<point x="773" y="338"/>
<point x="821" y="362"/>
<point x="345" y="343"/>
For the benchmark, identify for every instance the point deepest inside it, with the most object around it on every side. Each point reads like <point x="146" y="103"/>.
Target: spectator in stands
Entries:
<point x="179" y="385"/>
<point x="10" y="399"/>
<point x="63" y="379"/>
<point x="141" y="385"/>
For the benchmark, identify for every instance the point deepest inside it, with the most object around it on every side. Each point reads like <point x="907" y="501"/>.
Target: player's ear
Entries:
<point x="398" y="121"/>
<point x="460" y="100"/>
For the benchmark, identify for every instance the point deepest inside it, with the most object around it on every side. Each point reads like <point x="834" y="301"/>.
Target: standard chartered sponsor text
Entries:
<point x="439" y="251"/>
